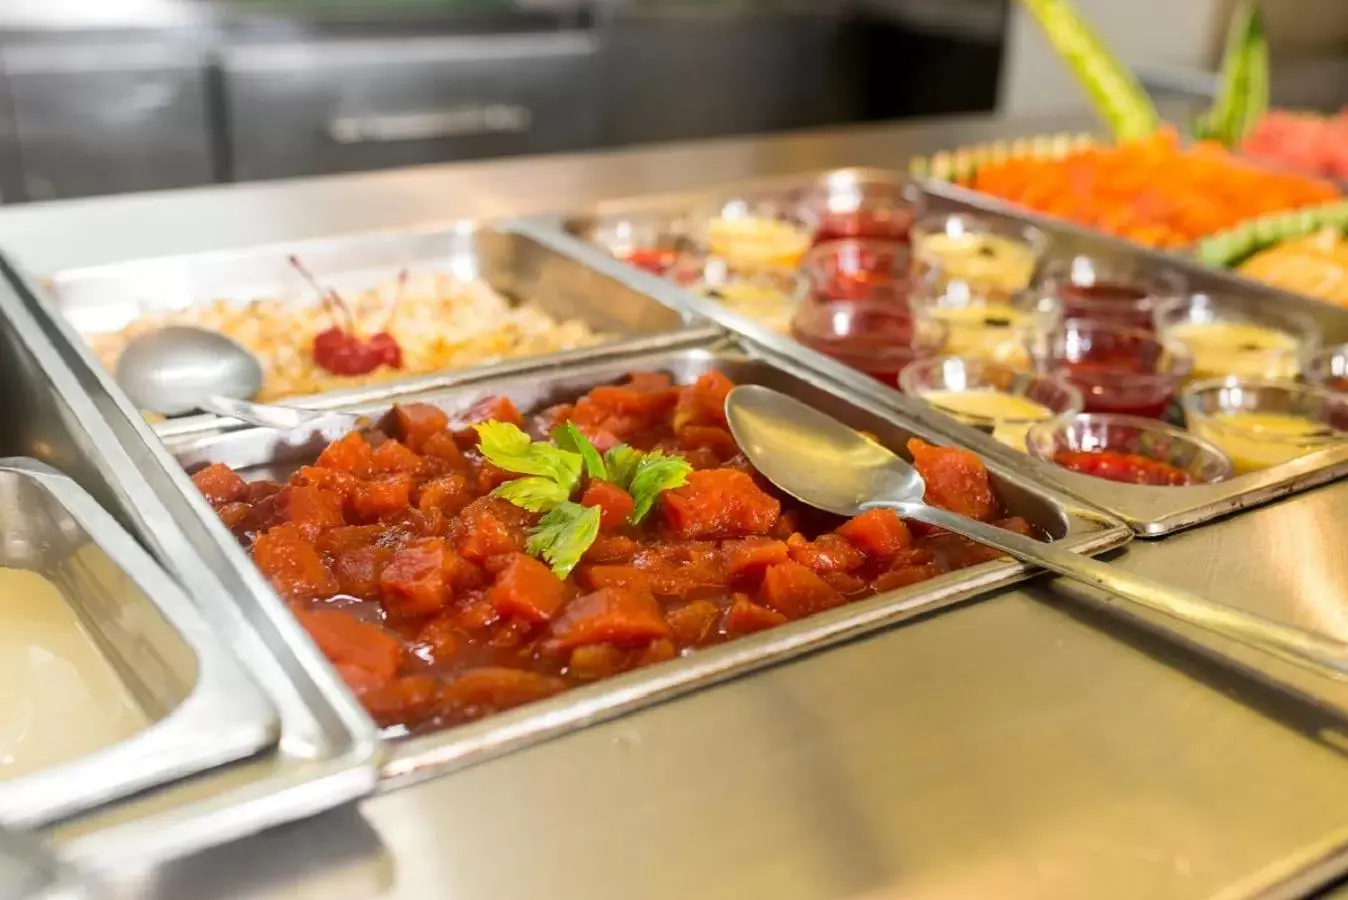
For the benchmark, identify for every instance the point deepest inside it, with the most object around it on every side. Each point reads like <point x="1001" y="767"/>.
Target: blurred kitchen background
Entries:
<point x="108" y="96"/>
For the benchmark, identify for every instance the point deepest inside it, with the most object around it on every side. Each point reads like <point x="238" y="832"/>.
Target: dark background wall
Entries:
<point x="124" y="96"/>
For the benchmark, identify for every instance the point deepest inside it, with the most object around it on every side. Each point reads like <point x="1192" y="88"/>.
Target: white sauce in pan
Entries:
<point x="59" y="697"/>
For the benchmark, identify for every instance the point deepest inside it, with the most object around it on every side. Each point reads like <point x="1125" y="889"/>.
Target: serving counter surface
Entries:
<point x="1016" y="746"/>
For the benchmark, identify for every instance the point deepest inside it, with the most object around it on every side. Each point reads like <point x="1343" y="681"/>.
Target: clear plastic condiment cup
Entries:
<point x="936" y="379"/>
<point x="998" y="256"/>
<point x="1253" y="420"/>
<point x="1202" y="461"/>
<point x="1107" y="289"/>
<point x="1328" y="369"/>
<point x="986" y="325"/>
<point x="1231" y="335"/>
<point x="858" y="269"/>
<point x="875" y="337"/>
<point x="653" y="242"/>
<point x="770" y="297"/>
<point x="847" y="205"/>
<point x="1117" y="369"/>
<point x="753" y="232"/>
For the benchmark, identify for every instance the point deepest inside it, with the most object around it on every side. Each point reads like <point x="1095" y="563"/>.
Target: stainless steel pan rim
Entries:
<point x="102" y="298"/>
<point x="224" y="718"/>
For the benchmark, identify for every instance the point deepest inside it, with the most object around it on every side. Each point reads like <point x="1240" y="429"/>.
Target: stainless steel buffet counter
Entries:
<point x="1015" y="746"/>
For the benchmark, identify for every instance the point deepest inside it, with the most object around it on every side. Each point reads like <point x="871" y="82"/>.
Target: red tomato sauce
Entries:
<point x="417" y="586"/>
<point x="1129" y="468"/>
<point x="877" y="224"/>
<point x="653" y="260"/>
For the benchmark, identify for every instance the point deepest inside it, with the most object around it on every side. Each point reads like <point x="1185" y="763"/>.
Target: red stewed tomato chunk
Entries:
<point x="500" y="409"/>
<point x="703" y="403"/>
<point x="719" y="503"/>
<point x="614" y="503"/>
<point x="219" y="483"/>
<point x="489" y="527"/>
<point x="678" y="570"/>
<point x="748" y="558"/>
<point x="286" y="555"/>
<point x="402" y="701"/>
<point x="351" y="454"/>
<point x="392" y="457"/>
<point x="348" y="641"/>
<point x="956" y="480"/>
<point x="386" y="495"/>
<point x="444" y="451"/>
<point x="828" y="554"/>
<point x="446" y="493"/>
<point x="527" y="589"/>
<point x="692" y="623"/>
<point x="622" y="616"/>
<point x="746" y="617"/>
<point x="358" y="569"/>
<point x="796" y="592"/>
<point x="416" y="423"/>
<point x="878" y="533"/>
<point x="480" y="692"/>
<point x="308" y="505"/>
<point x="414" y="583"/>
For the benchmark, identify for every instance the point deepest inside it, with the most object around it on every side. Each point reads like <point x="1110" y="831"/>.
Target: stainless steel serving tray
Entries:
<point x="61" y="408"/>
<point x="1149" y="511"/>
<point x="107" y="298"/>
<point x="412" y="759"/>
<point x="201" y="710"/>
<point x="1154" y="511"/>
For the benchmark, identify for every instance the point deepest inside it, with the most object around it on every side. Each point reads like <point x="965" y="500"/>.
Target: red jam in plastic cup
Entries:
<point x="863" y="270"/>
<point x="846" y="207"/>
<point x="1093" y="289"/>
<point x="1117" y="369"/>
<point x="872" y="337"/>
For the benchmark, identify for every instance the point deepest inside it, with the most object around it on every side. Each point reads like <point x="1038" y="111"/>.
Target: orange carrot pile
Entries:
<point x="1153" y="190"/>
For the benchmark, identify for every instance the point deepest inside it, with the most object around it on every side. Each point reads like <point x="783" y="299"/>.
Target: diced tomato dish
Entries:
<point x="417" y="585"/>
<point x="1129" y="468"/>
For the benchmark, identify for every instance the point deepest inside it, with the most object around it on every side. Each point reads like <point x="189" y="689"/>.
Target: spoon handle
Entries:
<point x="1323" y="655"/>
<point x="262" y="415"/>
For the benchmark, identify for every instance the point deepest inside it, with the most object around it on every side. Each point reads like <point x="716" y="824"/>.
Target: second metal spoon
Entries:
<point x="822" y="462"/>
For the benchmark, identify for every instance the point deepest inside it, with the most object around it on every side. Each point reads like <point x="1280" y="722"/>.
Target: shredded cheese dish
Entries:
<point x="440" y="323"/>
<point x="1315" y="265"/>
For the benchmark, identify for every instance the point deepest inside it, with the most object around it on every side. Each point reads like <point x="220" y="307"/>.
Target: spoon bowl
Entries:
<point x="814" y="457"/>
<point x="825" y="463"/>
<point x="172" y="370"/>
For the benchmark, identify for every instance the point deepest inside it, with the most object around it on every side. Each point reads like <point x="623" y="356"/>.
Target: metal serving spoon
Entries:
<point x="180" y="369"/>
<point x="173" y="370"/>
<point x="822" y="462"/>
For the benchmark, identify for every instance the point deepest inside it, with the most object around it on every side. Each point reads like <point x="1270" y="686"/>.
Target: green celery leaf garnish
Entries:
<point x="506" y="446"/>
<point x="622" y="463"/>
<point x="534" y="493"/>
<point x="572" y="439"/>
<point x="563" y="535"/>
<point x="654" y="474"/>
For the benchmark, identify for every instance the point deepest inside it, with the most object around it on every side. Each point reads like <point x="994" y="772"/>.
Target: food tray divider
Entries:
<point x="98" y="298"/>
<point x="201" y="710"/>
<point x="65" y="410"/>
